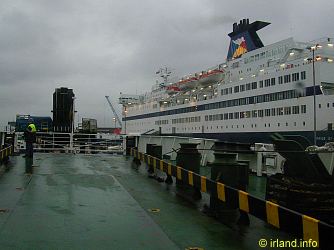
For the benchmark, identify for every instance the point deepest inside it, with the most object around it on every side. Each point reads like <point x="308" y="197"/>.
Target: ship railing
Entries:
<point x="54" y="142"/>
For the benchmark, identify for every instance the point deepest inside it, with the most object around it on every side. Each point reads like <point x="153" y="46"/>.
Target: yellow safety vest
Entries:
<point x="32" y="127"/>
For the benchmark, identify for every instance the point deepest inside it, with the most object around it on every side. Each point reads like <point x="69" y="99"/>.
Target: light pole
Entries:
<point x="114" y="119"/>
<point x="125" y="111"/>
<point x="313" y="49"/>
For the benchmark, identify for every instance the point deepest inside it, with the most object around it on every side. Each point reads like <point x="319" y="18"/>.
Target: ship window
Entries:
<point x="254" y="85"/>
<point x="230" y="116"/>
<point x="295" y="77"/>
<point x="248" y="86"/>
<point x="254" y="113"/>
<point x="303" y="109"/>
<point x="272" y="81"/>
<point x="303" y="75"/>
<point x="221" y="116"/>
<point x="236" y="115"/>
<point x="260" y="113"/>
<point x="267" y="98"/>
<point x="261" y="84"/>
<point x="295" y="123"/>
<point x="319" y="105"/>
<point x="206" y="118"/>
<point x="280" y="80"/>
<point x="304" y="123"/>
<point x="287" y="78"/>
<point x="287" y="110"/>
<point x="236" y="89"/>
<point x="279" y="111"/>
<point x="286" y="124"/>
<point x="242" y="115"/>
<point x="295" y="110"/>
<point x="273" y="111"/>
<point x="267" y="112"/>
<point x="226" y="116"/>
<point x="278" y="124"/>
<point x="262" y="55"/>
<point x="260" y="98"/>
<point x="257" y="56"/>
<point x="269" y="125"/>
<point x="242" y="88"/>
<point x="327" y="105"/>
<point x="267" y="83"/>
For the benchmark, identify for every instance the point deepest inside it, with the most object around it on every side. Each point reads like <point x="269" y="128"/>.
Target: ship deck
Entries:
<point x="105" y="202"/>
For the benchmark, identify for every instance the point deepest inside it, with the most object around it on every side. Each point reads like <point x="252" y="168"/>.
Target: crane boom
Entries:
<point x="114" y="111"/>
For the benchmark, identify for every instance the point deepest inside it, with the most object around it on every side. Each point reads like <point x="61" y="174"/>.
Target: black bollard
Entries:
<point x="157" y="153"/>
<point x="226" y="169"/>
<point x="188" y="158"/>
<point x="135" y="159"/>
<point x="149" y="151"/>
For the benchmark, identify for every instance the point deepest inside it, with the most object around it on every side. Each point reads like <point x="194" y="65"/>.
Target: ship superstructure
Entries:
<point x="259" y="90"/>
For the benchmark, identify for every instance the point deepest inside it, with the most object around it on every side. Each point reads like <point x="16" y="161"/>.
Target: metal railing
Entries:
<point x="53" y="142"/>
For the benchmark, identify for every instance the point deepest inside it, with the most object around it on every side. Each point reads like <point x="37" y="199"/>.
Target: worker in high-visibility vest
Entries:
<point x="30" y="138"/>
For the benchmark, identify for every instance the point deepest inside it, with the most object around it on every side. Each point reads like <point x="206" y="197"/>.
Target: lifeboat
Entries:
<point x="188" y="83"/>
<point x="203" y="79"/>
<point x="210" y="77"/>
<point x="172" y="89"/>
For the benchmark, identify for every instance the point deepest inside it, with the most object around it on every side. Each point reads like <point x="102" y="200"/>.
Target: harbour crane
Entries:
<point x="114" y="111"/>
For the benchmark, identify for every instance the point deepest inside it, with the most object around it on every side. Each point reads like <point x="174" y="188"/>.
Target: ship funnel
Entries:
<point x="244" y="38"/>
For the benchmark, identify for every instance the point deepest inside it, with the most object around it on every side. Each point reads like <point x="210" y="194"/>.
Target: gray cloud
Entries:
<point x="105" y="47"/>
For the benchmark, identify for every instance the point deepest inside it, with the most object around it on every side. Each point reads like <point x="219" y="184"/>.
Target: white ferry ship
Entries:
<point x="259" y="90"/>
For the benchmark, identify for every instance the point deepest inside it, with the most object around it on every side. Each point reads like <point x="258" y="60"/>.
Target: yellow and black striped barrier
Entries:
<point x="287" y="220"/>
<point x="6" y="152"/>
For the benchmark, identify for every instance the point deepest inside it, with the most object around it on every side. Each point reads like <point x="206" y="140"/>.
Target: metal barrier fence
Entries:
<point x="300" y="225"/>
<point x="73" y="143"/>
<point x="5" y="152"/>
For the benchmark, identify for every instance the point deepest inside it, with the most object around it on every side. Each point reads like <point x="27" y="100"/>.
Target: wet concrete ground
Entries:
<point x="104" y="202"/>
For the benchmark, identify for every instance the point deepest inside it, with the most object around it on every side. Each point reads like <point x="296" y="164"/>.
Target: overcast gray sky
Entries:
<point x="105" y="47"/>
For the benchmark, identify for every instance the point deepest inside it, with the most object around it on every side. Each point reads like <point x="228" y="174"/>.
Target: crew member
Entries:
<point x="30" y="138"/>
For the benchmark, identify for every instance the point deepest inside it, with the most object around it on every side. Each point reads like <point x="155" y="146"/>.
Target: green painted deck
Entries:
<point x="103" y="202"/>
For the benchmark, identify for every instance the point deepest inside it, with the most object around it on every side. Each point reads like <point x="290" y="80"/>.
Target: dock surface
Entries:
<point x="105" y="202"/>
